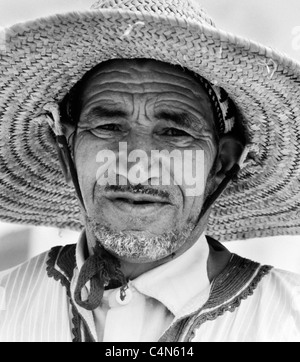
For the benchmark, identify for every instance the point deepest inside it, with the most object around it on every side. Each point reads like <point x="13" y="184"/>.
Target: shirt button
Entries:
<point x="124" y="296"/>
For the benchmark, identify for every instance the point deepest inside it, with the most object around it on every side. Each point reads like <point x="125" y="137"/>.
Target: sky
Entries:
<point x="275" y="23"/>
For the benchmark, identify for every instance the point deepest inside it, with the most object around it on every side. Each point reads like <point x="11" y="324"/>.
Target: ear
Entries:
<point x="230" y="150"/>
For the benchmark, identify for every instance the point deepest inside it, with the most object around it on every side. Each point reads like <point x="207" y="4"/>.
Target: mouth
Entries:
<point x="134" y="202"/>
<point x="129" y="202"/>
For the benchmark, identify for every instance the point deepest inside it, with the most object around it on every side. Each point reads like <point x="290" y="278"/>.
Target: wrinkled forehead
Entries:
<point x="140" y="75"/>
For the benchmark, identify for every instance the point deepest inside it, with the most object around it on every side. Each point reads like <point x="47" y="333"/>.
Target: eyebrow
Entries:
<point x="181" y="118"/>
<point x="101" y="111"/>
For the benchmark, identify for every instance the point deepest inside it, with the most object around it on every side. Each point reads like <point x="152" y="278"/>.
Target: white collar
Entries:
<point x="179" y="281"/>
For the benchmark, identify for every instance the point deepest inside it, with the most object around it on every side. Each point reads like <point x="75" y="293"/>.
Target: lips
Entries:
<point x="134" y="202"/>
<point x="129" y="202"/>
<point x="135" y="198"/>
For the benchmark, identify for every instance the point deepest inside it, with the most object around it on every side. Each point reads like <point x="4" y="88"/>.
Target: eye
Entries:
<point x="175" y="132"/>
<point x="109" y="127"/>
<point x="106" y="130"/>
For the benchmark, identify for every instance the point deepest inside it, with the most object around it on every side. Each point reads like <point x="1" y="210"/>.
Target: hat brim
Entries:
<point x="43" y="59"/>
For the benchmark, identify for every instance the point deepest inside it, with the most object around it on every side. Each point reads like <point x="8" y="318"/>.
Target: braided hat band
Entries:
<point x="45" y="58"/>
<point x="222" y="104"/>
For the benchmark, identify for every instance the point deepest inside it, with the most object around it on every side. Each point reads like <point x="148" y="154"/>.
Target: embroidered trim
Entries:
<point x="230" y="285"/>
<point x="237" y="273"/>
<point x="61" y="256"/>
<point x="229" y="307"/>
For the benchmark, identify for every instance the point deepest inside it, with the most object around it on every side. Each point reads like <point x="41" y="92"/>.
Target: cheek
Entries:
<point x="195" y="189"/>
<point x="210" y="151"/>
<point x="197" y="164"/>
<point x="85" y="153"/>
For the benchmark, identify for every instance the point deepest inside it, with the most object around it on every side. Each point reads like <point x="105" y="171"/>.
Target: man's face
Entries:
<point x="146" y="106"/>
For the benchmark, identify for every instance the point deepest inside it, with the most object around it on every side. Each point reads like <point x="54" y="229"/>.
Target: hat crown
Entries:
<point x="187" y="9"/>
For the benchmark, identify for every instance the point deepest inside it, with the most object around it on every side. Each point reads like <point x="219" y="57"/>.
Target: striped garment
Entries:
<point x="246" y="302"/>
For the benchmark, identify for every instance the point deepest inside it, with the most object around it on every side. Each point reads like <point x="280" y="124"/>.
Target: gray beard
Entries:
<point x="140" y="247"/>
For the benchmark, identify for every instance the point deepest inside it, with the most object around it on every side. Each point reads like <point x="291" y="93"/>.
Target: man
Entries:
<point x="111" y="97"/>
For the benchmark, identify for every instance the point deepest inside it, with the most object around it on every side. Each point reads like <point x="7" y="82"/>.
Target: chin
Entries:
<point x="139" y="246"/>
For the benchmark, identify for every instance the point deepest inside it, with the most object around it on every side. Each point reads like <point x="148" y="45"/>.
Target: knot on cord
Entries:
<point x="100" y="269"/>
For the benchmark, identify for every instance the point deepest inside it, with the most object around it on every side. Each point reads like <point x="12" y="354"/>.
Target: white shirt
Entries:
<point x="265" y="307"/>
<point x="157" y="297"/>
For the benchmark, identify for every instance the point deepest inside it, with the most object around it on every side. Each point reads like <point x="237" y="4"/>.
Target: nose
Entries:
<point x="134" y="160"/>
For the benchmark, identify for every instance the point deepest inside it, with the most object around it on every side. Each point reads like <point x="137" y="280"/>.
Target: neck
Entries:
<point x="218" y="258"/>
<point x="132" y="270"/>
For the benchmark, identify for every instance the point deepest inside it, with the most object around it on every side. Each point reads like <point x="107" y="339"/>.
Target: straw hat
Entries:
<point x="43" y="59"/>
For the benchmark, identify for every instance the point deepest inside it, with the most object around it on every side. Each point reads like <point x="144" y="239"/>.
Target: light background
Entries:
<point x="275" y="23"/>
